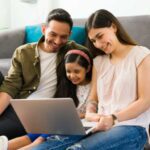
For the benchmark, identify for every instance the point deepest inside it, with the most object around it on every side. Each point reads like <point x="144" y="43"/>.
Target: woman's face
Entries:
<point x="75" y="73"/>
<point x="104" y="39"/>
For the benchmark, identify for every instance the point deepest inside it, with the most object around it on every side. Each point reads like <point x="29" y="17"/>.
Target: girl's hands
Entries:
<point x="92" y="117"/>
<point x="81" y="115"/>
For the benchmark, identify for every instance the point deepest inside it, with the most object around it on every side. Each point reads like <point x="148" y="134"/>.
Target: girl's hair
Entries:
<point x="65" y="88"/>
<point x="101" y="19"/>
<point x="81" y="58"/>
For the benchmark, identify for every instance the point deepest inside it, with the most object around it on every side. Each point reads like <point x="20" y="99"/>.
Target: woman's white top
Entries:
<point x="117" y="84"/>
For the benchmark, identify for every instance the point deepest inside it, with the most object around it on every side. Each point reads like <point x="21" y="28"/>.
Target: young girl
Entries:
<point x="75" y="81"/>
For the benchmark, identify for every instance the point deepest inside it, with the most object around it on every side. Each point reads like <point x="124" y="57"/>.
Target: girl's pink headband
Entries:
<point x="81" y="53"/>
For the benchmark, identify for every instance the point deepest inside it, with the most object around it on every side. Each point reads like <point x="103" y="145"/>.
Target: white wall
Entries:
<point x="27" y="14"/>
<point x="18" y="13"/>
<point x="83" y="8"/>
<point x="4" y="14"/>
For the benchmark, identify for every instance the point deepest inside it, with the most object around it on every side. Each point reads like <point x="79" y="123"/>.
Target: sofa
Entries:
<point x="137" y="26"/>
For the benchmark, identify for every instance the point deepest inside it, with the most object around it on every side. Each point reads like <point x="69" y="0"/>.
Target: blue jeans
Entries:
<point x="117" y="138"/>
<point x="58" y="142"/>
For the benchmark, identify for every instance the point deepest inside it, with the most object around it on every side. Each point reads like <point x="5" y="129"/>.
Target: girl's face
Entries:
<point x="75" y="73"/>
<point x="104" y="39"/>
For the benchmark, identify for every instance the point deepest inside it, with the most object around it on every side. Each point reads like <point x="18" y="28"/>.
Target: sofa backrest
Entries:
<point x="10" y="40"/>
<point x="138" y="28"/>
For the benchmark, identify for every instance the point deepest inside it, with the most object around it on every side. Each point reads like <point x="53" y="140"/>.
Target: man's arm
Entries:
<point x="13" y="81"/>
<point x="4" y="101"/>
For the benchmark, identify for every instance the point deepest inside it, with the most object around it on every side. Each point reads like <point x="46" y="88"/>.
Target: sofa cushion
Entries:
<point x="33" y="33"/>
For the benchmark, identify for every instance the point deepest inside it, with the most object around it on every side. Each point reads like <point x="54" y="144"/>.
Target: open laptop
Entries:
<point x="51" y="116"/>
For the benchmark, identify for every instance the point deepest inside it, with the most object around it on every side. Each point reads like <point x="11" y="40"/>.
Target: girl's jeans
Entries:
<point x="117" y="138"/>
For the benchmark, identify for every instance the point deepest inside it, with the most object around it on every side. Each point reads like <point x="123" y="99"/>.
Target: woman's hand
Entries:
<point x="104" y="123"/>
<point x="92" y="117"/>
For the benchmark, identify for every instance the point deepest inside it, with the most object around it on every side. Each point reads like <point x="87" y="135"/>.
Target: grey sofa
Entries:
<point x="137" y="26"/>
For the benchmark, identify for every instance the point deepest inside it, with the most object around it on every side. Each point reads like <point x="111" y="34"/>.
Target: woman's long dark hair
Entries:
<point x="65" y="88"/>
<point x="103" y="18"/>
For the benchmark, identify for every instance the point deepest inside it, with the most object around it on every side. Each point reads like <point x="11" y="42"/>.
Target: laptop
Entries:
<point x="50" y="116"/>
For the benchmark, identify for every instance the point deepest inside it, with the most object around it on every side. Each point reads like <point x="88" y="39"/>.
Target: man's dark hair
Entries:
<point x="61" y="15"/>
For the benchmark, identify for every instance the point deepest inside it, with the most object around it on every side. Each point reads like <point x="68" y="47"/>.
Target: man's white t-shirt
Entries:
<point x="48" y="80"/>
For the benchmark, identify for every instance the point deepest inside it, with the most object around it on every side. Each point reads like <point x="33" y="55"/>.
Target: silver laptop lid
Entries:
<point x="51" y="116"/>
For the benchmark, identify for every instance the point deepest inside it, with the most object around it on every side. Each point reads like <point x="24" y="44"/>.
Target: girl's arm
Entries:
<point x="92" y="102"/>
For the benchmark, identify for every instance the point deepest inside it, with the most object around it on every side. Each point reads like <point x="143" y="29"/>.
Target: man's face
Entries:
<point x="56" y="35"/>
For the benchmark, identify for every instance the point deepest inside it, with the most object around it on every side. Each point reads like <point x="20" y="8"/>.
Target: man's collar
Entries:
<point x="37" y="55"/>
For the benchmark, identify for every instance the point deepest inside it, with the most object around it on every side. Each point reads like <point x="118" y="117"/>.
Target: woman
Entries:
<point x="120" y="99"/>
<point x="121" y="77"/>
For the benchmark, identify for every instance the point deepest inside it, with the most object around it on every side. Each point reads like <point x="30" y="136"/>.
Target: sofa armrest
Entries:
<point x="10" y="40"/>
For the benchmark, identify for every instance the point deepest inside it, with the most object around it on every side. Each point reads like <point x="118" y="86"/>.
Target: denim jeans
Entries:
<point x="58" y="142"/>
<point x="117" y="138"/>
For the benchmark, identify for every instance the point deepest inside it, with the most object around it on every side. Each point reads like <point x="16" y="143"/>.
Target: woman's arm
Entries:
<point x="143" y="90"/>
<point x="138" y="106"/>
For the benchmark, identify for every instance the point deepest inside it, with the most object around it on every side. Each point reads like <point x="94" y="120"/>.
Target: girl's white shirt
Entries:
<point x="82" y="95"/>
<point x="117" y="84"/>
<point x="83" y="92"/>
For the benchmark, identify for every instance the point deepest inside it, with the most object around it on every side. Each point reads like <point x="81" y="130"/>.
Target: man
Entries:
<point x="35" y="68"/>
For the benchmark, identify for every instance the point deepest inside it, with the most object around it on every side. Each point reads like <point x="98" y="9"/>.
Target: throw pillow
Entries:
<point x="33" y="34"/>
<point x="78" y="35"/>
